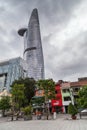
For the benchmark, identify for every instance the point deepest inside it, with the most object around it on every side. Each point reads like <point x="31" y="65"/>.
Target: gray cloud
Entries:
<point x="68" y="63"/>
<point x="53" y="12"/>
<point x="58" y="10"/>
<point x="72" y="59"/>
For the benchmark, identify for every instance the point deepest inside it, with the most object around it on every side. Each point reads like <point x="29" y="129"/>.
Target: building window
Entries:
<point x="76" y="89"/>
<point x="67" y="98"/>
<point x="65" y="90"/>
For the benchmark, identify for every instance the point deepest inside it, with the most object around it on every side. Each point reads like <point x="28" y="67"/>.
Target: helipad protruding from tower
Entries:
<point x="22" y="31"/>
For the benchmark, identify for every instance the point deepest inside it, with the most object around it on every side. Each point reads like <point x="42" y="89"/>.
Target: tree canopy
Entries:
<point x="28" y="90"/>
<point x="18" y="97"/>
<point x="48" y="85"/>
<point x="82" y="101"/>
<point x="4" y="104"/>
<point x="72" y="109"/>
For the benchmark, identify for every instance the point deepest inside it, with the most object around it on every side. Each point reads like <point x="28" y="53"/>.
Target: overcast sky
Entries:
<point x="63" y="25"/>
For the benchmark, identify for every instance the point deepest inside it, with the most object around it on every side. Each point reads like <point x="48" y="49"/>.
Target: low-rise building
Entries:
<point x="5" y="93"/>
<point x="66" y="96"/>
<point x="76" y="86"/>
<point x="54" y="104"/>
<point x="57" y="102"/>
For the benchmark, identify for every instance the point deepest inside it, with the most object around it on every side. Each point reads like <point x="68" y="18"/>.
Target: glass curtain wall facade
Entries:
<point x="11" y="70"/>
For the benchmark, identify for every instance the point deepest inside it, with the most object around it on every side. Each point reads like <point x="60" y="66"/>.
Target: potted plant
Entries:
<point x="72" y="110"/>
<point x="27" y="112"/>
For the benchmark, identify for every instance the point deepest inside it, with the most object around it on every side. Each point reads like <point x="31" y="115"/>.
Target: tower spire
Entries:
<point x="34" y="17"/>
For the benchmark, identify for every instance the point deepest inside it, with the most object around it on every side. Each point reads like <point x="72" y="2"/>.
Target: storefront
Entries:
<point x="57" y="106"/>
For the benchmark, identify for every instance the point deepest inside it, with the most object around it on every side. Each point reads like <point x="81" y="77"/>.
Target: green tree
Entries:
<point x="48" y="85"/>
<point x="5" y="104"/>
<point x="72" y="109"/>
<point x="29" y="88"/>
<point x="27" y="112"/>
<point x="18" y="97"/>
<point x="29" y="84"/>
<point x="82" y="101"/>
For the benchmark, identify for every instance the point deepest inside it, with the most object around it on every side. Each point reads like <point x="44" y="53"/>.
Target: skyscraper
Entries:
<point x="33" y="53"/>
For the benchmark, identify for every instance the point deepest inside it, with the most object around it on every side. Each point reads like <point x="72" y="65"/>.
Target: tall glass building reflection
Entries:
<point x="11" y="70"/>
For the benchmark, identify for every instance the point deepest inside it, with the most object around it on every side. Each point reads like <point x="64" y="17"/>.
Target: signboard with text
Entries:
<point x="56" y="102"/>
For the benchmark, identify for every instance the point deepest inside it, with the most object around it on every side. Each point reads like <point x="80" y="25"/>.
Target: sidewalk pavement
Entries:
<point x="63" y="122"/>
